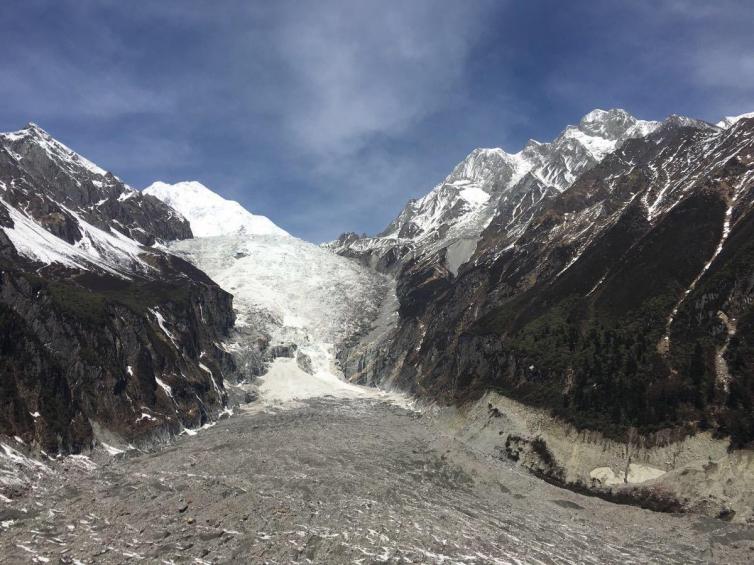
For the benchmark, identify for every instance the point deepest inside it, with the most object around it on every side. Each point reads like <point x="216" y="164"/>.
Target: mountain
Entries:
<point x="605" y="277"/>
<point x="615" y="292"/>
<point x="492" y="185"/>
<point x="210" y="213"/>
<point x="105" y="336"/>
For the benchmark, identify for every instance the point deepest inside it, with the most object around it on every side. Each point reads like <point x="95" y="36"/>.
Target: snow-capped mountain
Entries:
<point x="621" y="301"/>
<point x="106" y="337"/>
<point x="209" y="213"/>
<point x="491" y="183"/>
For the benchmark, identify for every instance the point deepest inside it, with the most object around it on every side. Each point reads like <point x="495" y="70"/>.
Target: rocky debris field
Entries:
<point x="334" y="480"/>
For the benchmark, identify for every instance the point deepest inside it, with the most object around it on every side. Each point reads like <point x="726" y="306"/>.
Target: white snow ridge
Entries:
<point x="728" y="121"/>
<point x="210" y="214"/>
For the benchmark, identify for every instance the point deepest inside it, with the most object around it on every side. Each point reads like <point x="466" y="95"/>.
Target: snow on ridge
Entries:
<point x="208" y="213"/>
<point x="728" y="121"/>
<point x="104" y="249"/>
<point x="112" y="252"/>
<point x="488" y="172"/>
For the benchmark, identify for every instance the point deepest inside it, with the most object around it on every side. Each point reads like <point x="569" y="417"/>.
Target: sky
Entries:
<point x="328" y="115"/>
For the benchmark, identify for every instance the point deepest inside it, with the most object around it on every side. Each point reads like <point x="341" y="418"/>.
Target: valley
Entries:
<point x="334" y="475"/>
<point x="207" y="388"/>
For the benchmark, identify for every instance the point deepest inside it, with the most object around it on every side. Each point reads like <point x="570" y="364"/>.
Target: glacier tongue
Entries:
<point x="285" y="289"/>
<point x="297" y="293"/>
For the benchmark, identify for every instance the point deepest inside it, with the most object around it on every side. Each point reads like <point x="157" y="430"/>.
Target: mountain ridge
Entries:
<point x="476" y="323"/>
<point x="460" y="207"/>
<point x="208" y="213"/>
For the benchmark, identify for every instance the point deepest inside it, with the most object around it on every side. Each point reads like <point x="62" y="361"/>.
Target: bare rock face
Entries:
<point x="620" y="302"/>
<point x="100" y="330"/>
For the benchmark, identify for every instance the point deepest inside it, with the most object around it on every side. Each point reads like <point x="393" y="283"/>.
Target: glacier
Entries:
<point x="295" y="292"/>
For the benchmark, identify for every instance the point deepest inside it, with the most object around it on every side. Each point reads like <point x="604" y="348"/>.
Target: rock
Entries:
<point x="304" y="362"/>
<point x="285" y="350"/>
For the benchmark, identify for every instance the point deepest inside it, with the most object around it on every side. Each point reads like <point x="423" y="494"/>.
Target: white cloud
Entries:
<point x="360" y="70"/>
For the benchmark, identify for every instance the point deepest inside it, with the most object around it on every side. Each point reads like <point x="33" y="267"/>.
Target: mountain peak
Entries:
<point x="676" y="121"/>
<point x="32" y="129"/>
<point x="33" y="126"/>
<point x="31" y="135"/>
<point x="610" y="124"/>
<point x="209" y="213"/>
<point x="728" y="121"/>
<point x="599" y="115"/>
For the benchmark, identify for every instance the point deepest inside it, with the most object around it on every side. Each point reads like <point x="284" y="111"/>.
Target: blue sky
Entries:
<point x="328" y="115"/>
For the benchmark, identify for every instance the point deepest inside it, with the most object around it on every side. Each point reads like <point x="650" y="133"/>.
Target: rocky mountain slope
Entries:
<point x="618" y="296"/>
<point x="105" y="336"/>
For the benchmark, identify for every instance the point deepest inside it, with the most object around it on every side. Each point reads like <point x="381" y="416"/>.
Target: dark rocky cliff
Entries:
<point x="100" y="334"/>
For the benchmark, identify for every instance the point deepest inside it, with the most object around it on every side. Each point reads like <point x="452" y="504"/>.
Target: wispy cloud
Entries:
<point x="720" y="53"/>
<point x="367" y="69"/>
<point x="670" y="56"/>
<point x="78" y="73"/>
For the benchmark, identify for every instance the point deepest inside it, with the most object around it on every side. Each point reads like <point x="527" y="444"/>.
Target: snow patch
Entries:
<point x="110" y="449"/>
<point x="458" y="253"/>
<point x="474" y="195"/>
<point x="111" y="252"/>
<point x="165" y="387"/>
<point x="207" y="370"/>
<point x="161" y="322"/>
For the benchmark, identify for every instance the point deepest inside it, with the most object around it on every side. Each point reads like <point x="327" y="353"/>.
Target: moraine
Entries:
<point x="350" y="476"/>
